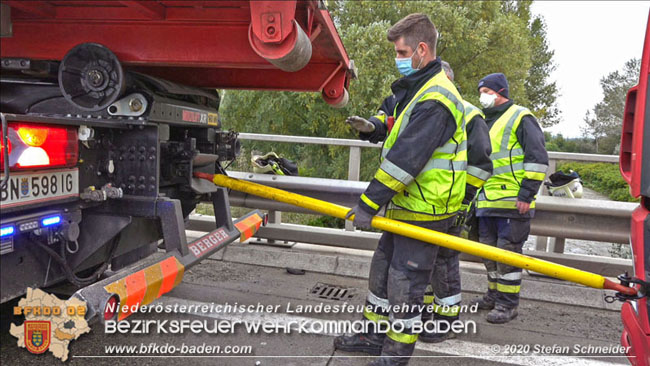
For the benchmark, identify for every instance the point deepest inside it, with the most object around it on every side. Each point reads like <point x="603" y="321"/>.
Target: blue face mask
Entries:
<point x="404" y="65"/>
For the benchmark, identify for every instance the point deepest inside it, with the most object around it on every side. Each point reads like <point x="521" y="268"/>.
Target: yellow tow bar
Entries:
<point x="433" y="237"/>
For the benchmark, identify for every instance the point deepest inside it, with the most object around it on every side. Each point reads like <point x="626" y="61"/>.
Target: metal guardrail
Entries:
<point x="368" y="241"/>
<point x="597" y="220"/>
<point x="552" y="155"/>
<point x="557" y="218"/>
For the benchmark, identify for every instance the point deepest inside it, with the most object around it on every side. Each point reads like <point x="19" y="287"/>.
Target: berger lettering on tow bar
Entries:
<point x="203" y="245"/>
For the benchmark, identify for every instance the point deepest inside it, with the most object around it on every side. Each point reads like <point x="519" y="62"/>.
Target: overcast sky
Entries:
<point x="590" y="39"/>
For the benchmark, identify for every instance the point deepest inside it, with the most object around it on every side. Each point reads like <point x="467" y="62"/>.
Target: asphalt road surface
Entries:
<point x="540" y="335"/>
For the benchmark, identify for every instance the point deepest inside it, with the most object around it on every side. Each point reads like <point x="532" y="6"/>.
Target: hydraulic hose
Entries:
<point x="68" y="272"/>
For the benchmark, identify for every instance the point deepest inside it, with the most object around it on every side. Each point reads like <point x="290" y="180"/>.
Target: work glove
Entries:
<point x="362" y="219"/>
<point x="462" y="215"/>
<point x="469" y="228"/>
<point x="360" y="124"/>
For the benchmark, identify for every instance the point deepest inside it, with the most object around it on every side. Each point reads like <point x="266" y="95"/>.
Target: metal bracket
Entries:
<point x="221" y="206"/>
<point x="173" y="225"/>
<point x="271" y="21"/>
<point x="132" y="105"/>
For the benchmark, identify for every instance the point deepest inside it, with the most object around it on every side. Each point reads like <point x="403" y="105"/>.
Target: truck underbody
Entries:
<point x="109" y="108"/>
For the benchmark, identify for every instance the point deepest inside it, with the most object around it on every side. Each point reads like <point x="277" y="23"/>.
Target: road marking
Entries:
<point x="449" y="349"/>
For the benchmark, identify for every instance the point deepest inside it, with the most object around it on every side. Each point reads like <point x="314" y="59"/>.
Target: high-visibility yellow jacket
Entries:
<point x="510" y="168"/>
<point x="434" y="188"/>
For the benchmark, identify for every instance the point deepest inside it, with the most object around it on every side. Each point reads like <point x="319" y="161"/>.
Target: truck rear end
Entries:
<point x="635" y="168"/>
<point x="109" y="108"/>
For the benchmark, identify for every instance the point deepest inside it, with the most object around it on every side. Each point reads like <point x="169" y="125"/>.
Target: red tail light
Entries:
<point x="33" y="146"/>
<point x="111" y="308"/>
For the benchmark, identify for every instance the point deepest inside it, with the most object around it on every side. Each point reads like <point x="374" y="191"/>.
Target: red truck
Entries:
<point x="108" y="108"/>
<point x="635" y="168"/>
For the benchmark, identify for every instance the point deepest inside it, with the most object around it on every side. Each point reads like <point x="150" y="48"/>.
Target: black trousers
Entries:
<point x="504" y="281"/>
<point x="399" y="274"/>
<point x="444" y="290"/>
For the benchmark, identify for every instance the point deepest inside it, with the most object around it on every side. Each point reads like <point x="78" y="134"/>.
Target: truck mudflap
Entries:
<point x="118" y="296"/>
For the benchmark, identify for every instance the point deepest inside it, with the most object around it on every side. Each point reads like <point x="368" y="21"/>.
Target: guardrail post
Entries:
<point x="275" y="217"/>
<point x="552" y="167"/>
<point x="557" y="245"/>
<point x="542" y="242"/>
<point x="354" y="169"/>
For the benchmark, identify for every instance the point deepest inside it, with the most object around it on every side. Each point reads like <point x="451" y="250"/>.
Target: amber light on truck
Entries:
<point x="33" y="146"/>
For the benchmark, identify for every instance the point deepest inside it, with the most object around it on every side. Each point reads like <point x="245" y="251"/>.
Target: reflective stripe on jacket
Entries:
<point x="502" y="188"/>
<point x="479" y="165"/>
<point x="438" y="189"/>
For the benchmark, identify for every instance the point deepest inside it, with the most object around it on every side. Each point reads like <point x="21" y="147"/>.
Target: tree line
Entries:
<point x="476" y="38"/>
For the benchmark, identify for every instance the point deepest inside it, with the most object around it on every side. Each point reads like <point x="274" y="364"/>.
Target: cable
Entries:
<point x="69" y="274"/>
<point x="5" y="150"/>
<point x="229" y="164"/>
<point x="222" y="170"/>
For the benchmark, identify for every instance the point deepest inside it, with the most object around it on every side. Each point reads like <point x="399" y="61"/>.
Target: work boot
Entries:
<point x="441" y="335"/>
<point x="370" y="343"/>
<point x="501" y="314"/>
<point x="386" y="361"/>
<point x="486" y="302"/>
<point x="432" y="337"/>
<point x="394" y="353"/>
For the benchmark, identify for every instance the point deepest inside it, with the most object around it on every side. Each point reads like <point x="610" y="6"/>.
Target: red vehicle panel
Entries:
<point x="274" y="45"/>
<point x="634" y="165"/>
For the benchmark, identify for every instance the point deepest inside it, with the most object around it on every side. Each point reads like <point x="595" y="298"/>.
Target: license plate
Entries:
<point x="35" y="187"/>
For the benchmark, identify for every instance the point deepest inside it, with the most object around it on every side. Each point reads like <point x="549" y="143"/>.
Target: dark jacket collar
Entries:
<point x="405" y="88"/>
<point x="492" y="114"/>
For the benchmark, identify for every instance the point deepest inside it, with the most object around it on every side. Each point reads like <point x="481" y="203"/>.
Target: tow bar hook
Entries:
<point x="626" y="280"/>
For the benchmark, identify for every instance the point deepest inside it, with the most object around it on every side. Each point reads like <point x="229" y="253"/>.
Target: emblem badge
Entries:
<point x="24" y="187"/>
<point x="37" y="335"/>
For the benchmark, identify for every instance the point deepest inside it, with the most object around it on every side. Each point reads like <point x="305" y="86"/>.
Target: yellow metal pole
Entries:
<point x="449" y="241"/>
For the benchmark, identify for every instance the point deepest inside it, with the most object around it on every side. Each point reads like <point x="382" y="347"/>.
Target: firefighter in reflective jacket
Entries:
<point x="506" y="203"/>
<point x="421" y="180"/>
<point x="444" y="294"/>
